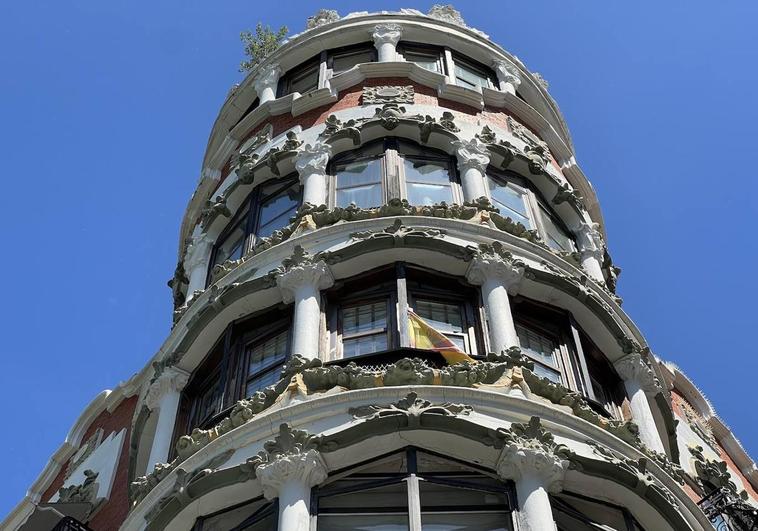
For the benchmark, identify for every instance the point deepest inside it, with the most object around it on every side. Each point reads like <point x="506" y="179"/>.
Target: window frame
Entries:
<point x="404" y="47"/>
<point x="478" y="68"/>
<point x="352" y="49"/>
<point x="284" y="86"/>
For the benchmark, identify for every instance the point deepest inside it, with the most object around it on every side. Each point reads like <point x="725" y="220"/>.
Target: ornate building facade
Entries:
<point x="395" y="309"/>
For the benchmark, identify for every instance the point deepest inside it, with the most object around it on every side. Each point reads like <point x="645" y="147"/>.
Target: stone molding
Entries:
<point x="322" y="16"/>
<point x="313" y="158"/>
<point x="493" y="261"/>
<point x="530" y="450"/>
<point x="199" y="251"/>
<point x="386" y="33"/>
<point x="267" y="77"/>
<point x="300" y="270"/>
<point x="633" y="367"/>
<point x="507" y="72"/>
<point x="471" y="154"/>
<point x="170" y="380"/>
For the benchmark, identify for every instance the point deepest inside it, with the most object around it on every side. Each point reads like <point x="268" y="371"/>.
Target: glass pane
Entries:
<point x="364" y="317"/>
<point x="344" y="62"/>
<point x="425" y="61"/>
<point x="428" y="182"/>
<point x="445" y="317"/>
<point x="484" y="521"/>
<point x="510" y="201"/>
<point x="305" y="81"/>
<point x="363" y="522"/>
<point x="265" y="353"/>
<point x="556" y="236"/>
<point x="359" y="183"/>
<point x="364" y="345"/>
<point x="239" y="518"/>
<point x="275" y="213"/>
<point x="579" y="514"/>
<point x="388" y="498"/>
<point x="468" y="77"/>
<point x="540" y="348"/>
<point x="436" y="497"/>
<point x="232" y="247"/>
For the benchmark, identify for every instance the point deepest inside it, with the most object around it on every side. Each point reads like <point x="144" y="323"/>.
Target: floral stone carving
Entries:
<point x="412" y="407"/>
<point x="388" y="94"/>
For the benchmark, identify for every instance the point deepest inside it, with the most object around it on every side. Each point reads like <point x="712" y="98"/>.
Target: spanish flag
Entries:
<point x="426" y="337"/>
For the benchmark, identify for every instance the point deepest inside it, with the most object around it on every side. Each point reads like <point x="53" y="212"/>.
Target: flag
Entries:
<point x="426" y="337"/>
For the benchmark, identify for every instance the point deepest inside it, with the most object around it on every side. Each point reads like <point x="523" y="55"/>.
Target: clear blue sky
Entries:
<point x="106" y="107"/>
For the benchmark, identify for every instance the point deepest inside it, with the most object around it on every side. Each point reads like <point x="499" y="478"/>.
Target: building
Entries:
<point x="395" y="309"/>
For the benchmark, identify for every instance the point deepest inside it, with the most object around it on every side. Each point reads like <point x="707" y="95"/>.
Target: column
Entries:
<point x="196" y="262"/>
<point x="311" y="165"/>
<point x="266" y="82"/>
<point x="508" y="75"/>
<point x="497" y="275"/>
<point x="302" y="284"/>
<point x="163" y="395"/>
<point x="386" y="37"/>
<point x="638" y="380"/>
<point x="536" y="471"/>
<point x="473" y="158"/>
<point x="290" y="478"/>
<point x="591" y="247"/>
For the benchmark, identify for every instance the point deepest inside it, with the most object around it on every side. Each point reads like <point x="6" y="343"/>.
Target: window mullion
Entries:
<point x="585" y="374"/>
<point x="414" y="503"/>
<point x="391" y="175"/>
<point x="402" y="306"/>
<point x="450" y="66"/>
<point x="536" y="215"/>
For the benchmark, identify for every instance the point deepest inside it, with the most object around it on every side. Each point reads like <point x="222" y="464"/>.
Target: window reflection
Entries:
<point x="428" y="182"/>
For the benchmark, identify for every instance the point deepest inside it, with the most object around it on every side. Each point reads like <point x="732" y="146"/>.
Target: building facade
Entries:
<point x="395" y="309"/>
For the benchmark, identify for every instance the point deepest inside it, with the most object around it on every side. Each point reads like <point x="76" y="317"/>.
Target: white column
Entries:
<point x="196" y="262"/>
<point x="290" y="478"/>
<point x="639" y="380"/>
<point x="163" y="395"/>
<point x="508" y="75"/>
<point x="302" y="284"/>
<point x="536" y="473"/>
<point x="386" y="37"/>
<point x="591" y="247"/>
<point x="473" y="158"/>
<point x="497" y="276"/>
<point x="311" y="165"/>
<point x="266" y="81"/>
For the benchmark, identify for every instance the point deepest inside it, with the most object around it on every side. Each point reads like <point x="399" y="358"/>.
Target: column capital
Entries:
<point x="386" y="34"/>
<point x="313" y="158"/>
<point x="300" y="270"/>
<point x="494" y="262"/>
<point x="471" y="154"/>
<point x="633" y="367"/>
<point x="267" y="77"/>
<point x="307" y="468"/>
<point x="531" y="452"/>
<point x="589" y="239"/>
<point x="172" y="379"/>
<point x="507" y="72"/>
<point x="198" y="251"/>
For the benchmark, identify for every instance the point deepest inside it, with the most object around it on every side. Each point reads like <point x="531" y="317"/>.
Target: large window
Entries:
<point x="427" y="57"/>
<point x="267" y="209"/>
<point x="248" y="357"/>
<point x="515" y="199"/>
<point x="437" y="493"/>
<point x="392" y="167"/>
<point x="256" y="515"/>
<point x="471" y="74"/>
<point x="574" y="512"/>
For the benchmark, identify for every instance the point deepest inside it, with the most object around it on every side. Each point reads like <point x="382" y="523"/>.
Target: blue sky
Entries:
<point x="106" y="108"/>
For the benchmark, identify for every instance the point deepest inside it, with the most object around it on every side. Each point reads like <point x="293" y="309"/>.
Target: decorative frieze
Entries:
<point x="387" y="94"/>
<point x="411" y="407"/>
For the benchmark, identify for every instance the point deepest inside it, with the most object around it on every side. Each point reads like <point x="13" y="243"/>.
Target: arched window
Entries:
<point x="574" y="512"/>
<point x="393" y="168"/>
<point x="256" y="515"/>
<point x="413" y="489"/>
<point x="514" y="197"/>
<point x="268" y="208"/>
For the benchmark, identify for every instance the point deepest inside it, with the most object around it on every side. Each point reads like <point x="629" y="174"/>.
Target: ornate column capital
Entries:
<point x="300" y="270"/>
<point x="386" y="34"/>
<point x="494" y="262"/>
<point x="472" y="154"/>
<point x="507" y="72"/>
<point x="589" y="238"/>
<point x="531" y="451"/>
<point x="171" y="379"/>
<point x="313" y="159"/>
<point x="292" y="456"/>
<point x="267" y="77"/>
<point x="198" y="251"/>
<point x="633" y="367"/>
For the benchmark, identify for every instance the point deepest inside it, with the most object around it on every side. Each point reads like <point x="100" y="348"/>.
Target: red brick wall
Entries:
<point x="114" y="511"/>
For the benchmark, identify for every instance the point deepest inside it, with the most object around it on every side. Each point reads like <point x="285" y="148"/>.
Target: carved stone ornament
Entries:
<point x="447" y="13"/>
<point x="567" y="194"/>
<point x="313" y="159"/>
<point x="471" y="154"/>
<point x="398" y="232"/>
<point x="170" y="380"/>
<point x="493" y="261"/>
<point x="178" y="284"/>
<point x="541" y="81"/>
<point x="300" y="270"/>
<point x="589" y="239"/>
<point x="214" y="208"/>
<point x="322" y="16"/>
<point x="712" y="473"/>
<point x="84" y="493"/>
<point x="633" y="367"/>
<point x="412" y="407"/>
<point x="387" y="94"/>
<point x="507" y="72"/>
<point x="386" y="33"/>
<point x="536" y="151"/>
<point x="531" y="451"/>
<point x="261" y="137"/>
<point x="697" y="423"/>
<point x="267" y="77"/>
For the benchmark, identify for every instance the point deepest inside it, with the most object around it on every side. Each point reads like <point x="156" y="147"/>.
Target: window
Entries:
<point x="427" y="57"/>
<point x="515" y="199"/>
<point x="256" y="515"/>
<point x="368" y="177"/>
<point x="607" y="386"/>
<point x="303" y="78"/>
<point x="578" y="513"/>
<point x="364" y="328"/>
<point x="382" y="495"/>
<point x="343" y="60"/>
<point x="265" y="358"/>
<point x="268" y="208"/>
<point x="542" y="349"/>
<point x="472" y="75"/>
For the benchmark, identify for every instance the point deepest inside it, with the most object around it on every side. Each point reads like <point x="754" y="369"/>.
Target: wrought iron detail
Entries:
<point x="70" y="524"/>
<point x="727" y="512"/>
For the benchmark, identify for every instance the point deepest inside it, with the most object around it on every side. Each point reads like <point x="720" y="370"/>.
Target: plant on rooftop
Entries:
<point x="260" y="45"/>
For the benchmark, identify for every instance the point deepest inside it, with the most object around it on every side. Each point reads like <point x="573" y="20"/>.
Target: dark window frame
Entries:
<point x="478" y="68"/>
<point x="430" y="50"/>
<point x="302" y="70"/>
<point x="352" y="49"/>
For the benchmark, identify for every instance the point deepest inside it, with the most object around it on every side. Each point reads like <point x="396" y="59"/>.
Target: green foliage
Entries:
<point x="260" y="45"/>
